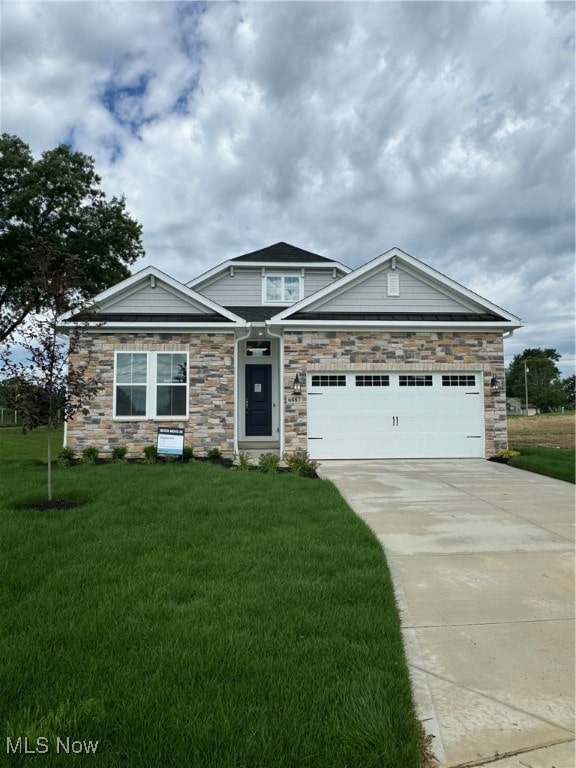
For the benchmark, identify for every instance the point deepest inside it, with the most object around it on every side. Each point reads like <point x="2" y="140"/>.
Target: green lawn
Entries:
<point x="189" y="615"/>
<point x="554" y="462"/>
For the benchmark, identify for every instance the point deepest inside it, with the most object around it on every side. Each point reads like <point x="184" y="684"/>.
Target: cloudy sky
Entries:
<point x="346" y="128"/>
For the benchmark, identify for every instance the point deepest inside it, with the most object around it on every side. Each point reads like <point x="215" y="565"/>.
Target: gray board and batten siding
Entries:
<point x="149" y="300"/>
<point x="414" y="295"/>
<point x="244" y="287"/>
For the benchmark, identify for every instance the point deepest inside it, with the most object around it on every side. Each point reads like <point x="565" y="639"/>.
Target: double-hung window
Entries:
<point x="286" y="289"/>
<point x="151" y="385"/>
<point x="171" y="384"/>
<point x="131" y="383"/>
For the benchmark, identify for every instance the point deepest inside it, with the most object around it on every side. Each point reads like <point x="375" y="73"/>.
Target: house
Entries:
<point x="283" y="349"/>
<point x="515" y="407"/>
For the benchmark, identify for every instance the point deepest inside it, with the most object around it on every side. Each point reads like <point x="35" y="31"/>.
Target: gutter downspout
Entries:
<point x="280" y="337"/>
<point x="238" y="339"/>
<point x="508" y="335"/>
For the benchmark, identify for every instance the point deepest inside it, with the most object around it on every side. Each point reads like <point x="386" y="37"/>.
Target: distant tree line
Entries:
<point x="534" y="373"/>
<point x="33" y="403"/>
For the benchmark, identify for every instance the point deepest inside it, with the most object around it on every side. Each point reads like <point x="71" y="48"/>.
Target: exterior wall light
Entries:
<point x="296" y="387"/>
<point x="495" y="385"/>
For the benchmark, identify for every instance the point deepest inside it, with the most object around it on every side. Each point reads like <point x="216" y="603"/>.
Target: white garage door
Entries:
<point x="395" y="415"/>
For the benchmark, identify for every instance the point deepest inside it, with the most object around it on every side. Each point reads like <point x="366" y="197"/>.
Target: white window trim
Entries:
<point x="283" y="275"/>
<point x="151" y="385"/>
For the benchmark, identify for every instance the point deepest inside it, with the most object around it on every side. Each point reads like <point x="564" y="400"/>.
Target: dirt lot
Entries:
<point x="551" y="430"/>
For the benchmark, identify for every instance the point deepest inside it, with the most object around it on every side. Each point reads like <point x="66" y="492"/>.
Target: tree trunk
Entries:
<point x="49" y="428"/>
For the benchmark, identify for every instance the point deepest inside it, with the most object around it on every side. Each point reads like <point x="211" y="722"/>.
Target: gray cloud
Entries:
<point x="444" y="128"/>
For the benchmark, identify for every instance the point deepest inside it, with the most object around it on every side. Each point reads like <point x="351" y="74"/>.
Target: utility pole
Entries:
<point x="526" y="369"/>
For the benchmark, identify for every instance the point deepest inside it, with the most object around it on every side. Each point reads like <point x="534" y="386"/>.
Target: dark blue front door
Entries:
<point x="258" y="400"/>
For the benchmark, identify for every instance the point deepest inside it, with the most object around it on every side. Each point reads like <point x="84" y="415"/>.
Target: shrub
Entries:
<point x="214" y="453"/>
<point x="90" y="454"/>
<point x="151" y="454"/>
<point x="65" y="457"/>
<point x="507" y="453"/>
<point x="503" y="456"/>
<point x="242" y="461"/>
<point x="301" y="464"/>
<point x="119" y="453"/>
<point x="188" y="453"/>
<point x="269" y="463"/>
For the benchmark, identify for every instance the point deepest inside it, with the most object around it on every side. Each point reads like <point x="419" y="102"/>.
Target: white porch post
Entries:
<point x="237" y="341"/>
<point x="280" y="337"/>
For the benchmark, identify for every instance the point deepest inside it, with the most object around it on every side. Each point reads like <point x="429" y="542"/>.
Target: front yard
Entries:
<point x="188" y="615"/>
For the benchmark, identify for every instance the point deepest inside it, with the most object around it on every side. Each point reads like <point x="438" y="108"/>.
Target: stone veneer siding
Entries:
<point x="344" y="351"/>
<point x="211" y="391"/>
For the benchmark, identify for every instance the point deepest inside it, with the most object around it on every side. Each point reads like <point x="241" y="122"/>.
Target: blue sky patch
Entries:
<point x="125" y="102"/>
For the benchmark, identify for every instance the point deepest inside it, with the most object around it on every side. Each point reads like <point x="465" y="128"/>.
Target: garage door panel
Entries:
<point x="395" y="416"/>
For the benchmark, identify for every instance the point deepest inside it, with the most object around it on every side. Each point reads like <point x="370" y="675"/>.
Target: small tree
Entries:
<point x="48" y="368"/>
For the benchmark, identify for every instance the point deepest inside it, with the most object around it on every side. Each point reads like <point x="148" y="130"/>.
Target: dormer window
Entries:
<point x="282" y="289"/>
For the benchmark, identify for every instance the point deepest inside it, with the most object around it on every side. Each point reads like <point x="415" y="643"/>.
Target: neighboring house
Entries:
<point x="282" y="349"/>
<point x="515" y="407"/>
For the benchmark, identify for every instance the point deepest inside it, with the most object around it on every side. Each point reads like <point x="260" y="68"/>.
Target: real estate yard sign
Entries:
<point x="170" y="441"/>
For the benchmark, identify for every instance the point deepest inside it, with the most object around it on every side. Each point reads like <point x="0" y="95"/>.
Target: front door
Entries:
<point x="258" y="401"/>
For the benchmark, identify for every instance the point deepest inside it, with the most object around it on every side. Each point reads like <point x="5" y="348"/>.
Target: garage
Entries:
<point x="395" y="415"/>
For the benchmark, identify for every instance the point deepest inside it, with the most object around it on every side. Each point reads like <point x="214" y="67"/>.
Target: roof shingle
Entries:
<point x="256" y="314"/>
<point x="281" y="253"/>
<point x="462" y="317"/>
<point x="149" y="317"/>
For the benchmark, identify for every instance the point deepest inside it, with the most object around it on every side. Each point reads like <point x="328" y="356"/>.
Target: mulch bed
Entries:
<point x="44" y="505"/>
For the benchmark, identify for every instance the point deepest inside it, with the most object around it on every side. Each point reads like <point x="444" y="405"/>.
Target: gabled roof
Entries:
<point x="281" y="253"/>
<point x="151" y="299"/>
<point x="178" y="305"/>
<point x="474" y="310"/>
<point x="278" y="256"/>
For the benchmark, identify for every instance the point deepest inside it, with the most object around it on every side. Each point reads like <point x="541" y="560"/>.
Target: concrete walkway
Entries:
<point x="482" y="557"/>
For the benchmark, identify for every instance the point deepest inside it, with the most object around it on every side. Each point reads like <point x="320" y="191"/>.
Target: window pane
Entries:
<point x="459" y="381"/>
<point x="291" y="288"/>
<point x="328" y="380"/>
<point x="171" y="368"/>
<point x="274" y="288"/>
<point x="370" y="380"/>
<point x="171" y="401"/>
<point x="131" y="367"/>
<point x="130" y="401"/>
<point x="418" y="380"/>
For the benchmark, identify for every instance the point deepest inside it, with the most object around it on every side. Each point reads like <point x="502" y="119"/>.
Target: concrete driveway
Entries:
<point x="482" y="557"/>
